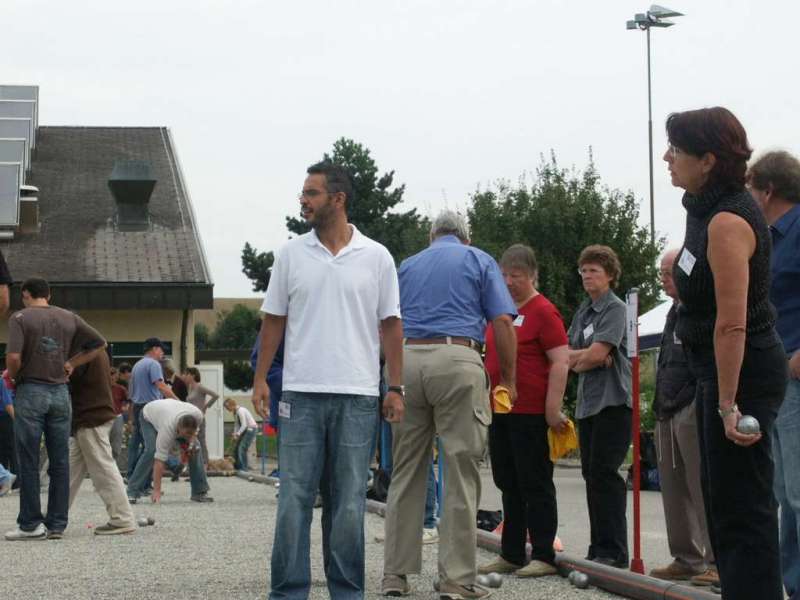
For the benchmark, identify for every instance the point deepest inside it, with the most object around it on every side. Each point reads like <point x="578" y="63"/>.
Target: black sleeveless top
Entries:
<point x="698" y="310"/>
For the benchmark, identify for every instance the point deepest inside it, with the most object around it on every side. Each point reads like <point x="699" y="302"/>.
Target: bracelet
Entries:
<point x="724" y="412"/>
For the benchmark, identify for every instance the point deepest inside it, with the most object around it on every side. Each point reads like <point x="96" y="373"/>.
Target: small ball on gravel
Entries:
<point x="142" y="522"/>
<point x="581" y="580"/>
<point x="495" y="580"/>
<point x="482" y="580"/>
<point x="151" y="521"/>
<point x="251" y="478"/>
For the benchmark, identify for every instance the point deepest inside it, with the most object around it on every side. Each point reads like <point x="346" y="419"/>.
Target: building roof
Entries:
<point x="79" y="246"/>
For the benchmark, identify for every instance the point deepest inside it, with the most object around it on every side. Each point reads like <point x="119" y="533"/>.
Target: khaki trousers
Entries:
<point x="446" y="393"/>
<point x="678" y="452"/>
<point x="90" y="451"/>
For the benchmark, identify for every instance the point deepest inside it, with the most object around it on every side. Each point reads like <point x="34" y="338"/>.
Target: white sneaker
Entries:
<point x="5" y="487"/>
<point x="430" y="536"/>
<point x="18" y="534"/>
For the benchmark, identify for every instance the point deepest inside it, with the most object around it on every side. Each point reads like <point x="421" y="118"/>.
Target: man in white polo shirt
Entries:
<point x="332" y="290"/>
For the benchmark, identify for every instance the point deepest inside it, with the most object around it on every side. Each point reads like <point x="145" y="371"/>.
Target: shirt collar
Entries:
<point x="446" y="239"/>
<point x="784" y="224"/>
<point x="600" y="304"/>
<point x="357" y="241"/>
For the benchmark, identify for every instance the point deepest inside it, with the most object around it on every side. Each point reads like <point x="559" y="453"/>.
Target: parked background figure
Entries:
<point x="245" y="429"/>
<point x="448" y="293"/>
<point x="678" y="453"/>
<point x="727" y="326"/>
<point x="203" y="398"/>
<point x="45" y="344"/>
<point x="146" y="384"/>
<point x="774" y="182"/>
<point x="518" y="446"/>
<point x="598" y="353"/>
<point x="90" y="452"/>
<point x="174" y="381"/>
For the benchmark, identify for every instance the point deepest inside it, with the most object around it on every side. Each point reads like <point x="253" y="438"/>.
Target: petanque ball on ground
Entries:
<point x="142" y="522"/>
<point x="571" y="576"/>
<point x="482" y="580"/>
<point x="151" y="521"/>
<point x="581" y="580"/>
<point x="748" y="424"/>
<point x="250" y="478"/>
<point x="495" y="580"/>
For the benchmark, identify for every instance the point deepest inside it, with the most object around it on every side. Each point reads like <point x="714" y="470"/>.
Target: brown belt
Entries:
<point x="459" y="341"/>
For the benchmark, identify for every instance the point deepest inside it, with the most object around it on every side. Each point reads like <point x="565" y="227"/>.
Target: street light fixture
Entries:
<point x="657" y="16"/>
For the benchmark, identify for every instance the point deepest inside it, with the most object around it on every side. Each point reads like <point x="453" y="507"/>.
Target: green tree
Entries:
<point x="371" y="209"/>
<point x="559" y="214"/>
<point x="201" y="336"/>
<point x="236" y="329"/>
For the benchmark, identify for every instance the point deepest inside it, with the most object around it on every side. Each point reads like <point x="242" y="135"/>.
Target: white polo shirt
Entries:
<point x="333" y="307"/>
<point x="164" y="416"/>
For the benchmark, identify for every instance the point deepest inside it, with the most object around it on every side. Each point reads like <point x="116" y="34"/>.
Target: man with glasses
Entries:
<point x="331" y="291"/>
<point x="678" y="452"/>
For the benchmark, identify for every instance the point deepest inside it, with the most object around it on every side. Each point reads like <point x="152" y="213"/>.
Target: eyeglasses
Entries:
<point x="309" y="194"/>
<point x="589" y="271"/>
<point x="673" y="151"/>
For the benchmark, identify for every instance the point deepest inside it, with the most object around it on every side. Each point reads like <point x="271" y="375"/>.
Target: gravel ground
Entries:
<point x="218" y="550"/>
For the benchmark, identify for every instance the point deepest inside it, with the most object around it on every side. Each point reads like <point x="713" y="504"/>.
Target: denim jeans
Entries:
<point x="431" y="520"/>
<point x="135" y="441"/>
<point x="324" y="444"/>
<point x="786" y="452"/>
<point x="142" y="475"/>
<point x="242" y="446"/>
<point x="43" y="409"/>
<point x="4" y="474"/>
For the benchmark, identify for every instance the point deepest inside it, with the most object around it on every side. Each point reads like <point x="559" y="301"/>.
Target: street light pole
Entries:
<point x="655" y="17"/>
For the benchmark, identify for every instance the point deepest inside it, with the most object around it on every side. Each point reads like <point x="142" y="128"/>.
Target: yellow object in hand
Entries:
<point x="502" y="399"/>
<point x="561" y="443"/>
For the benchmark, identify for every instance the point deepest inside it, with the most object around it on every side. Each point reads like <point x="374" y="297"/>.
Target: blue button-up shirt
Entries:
<point x="451" y="289"/>
<point x="785" y="290"/>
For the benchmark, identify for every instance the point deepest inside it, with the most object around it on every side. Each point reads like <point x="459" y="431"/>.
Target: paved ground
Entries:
<point x="210" y="551"/>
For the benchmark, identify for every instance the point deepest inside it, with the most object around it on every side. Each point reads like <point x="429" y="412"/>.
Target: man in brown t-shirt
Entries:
<point x="93" y="415"/>
<point x="45" y="344"/>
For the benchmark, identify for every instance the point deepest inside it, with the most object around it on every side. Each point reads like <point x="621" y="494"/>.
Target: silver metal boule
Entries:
<point x="581" y="580"/>
<point x="748" y="424"/>
<point x="495" y="580"/>
<point x="142" y="522"/>
<point x="482" y="580"/>
<point x="571" y="576"/>
<point x="151" y="521"/>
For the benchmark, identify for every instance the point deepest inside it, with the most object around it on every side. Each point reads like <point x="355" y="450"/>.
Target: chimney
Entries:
<point x="131" y="183"/>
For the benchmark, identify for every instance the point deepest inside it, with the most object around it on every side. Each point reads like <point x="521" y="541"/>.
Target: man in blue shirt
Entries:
<point x="774" y="182"/>
<point x="146" y="384"/>
<point x="448" y="293"/>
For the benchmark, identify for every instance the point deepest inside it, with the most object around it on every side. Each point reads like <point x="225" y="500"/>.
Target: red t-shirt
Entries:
<point x="539" y="328"/>
<point x="119" y="397"/>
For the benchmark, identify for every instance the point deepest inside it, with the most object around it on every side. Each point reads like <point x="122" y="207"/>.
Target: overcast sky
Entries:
<point x="451" y="94"/>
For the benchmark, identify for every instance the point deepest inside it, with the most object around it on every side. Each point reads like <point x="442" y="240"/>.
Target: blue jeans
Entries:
<point x="4" y="474"/>
<point x="242" y="446"/>
<point x="324" y="445"/>
<point x="43" y="409"/>
<point x="135" y="441"/>
<point x="386" y="464"/>
<point x="786" y="453"/>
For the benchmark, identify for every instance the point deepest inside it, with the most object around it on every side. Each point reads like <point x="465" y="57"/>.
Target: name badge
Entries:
<point x="519" y="320"/>
<point x="285" y="410"/>
<point x="686" y="262"/>
<point x="587" y="333"/>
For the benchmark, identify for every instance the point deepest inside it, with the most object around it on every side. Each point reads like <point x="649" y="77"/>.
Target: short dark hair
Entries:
<point x="605" y="257"/>
<point x="36" y="287"/>
<point x="717" y="131"/>
<point x="188" y="422"/>
<point x="779" y="169"/>
<point x="124" y="367"/>
<point x="193" y="372"/>
<point x="337" y="179"/>
<point x="520" y="256"/>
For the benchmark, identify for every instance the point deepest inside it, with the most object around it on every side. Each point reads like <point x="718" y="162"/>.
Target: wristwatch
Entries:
<point x="400" y="389"/>
<point x="724" y="412"/>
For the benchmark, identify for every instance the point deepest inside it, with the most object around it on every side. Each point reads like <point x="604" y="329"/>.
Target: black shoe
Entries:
<point x="202" y="498"/>
<point x="611" y="562"/>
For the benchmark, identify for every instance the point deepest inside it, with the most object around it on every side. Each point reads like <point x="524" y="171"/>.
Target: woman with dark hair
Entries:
<point x="197" y="396"/>
<point x="726" y="325"/>
<point x="598" y="353"/>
